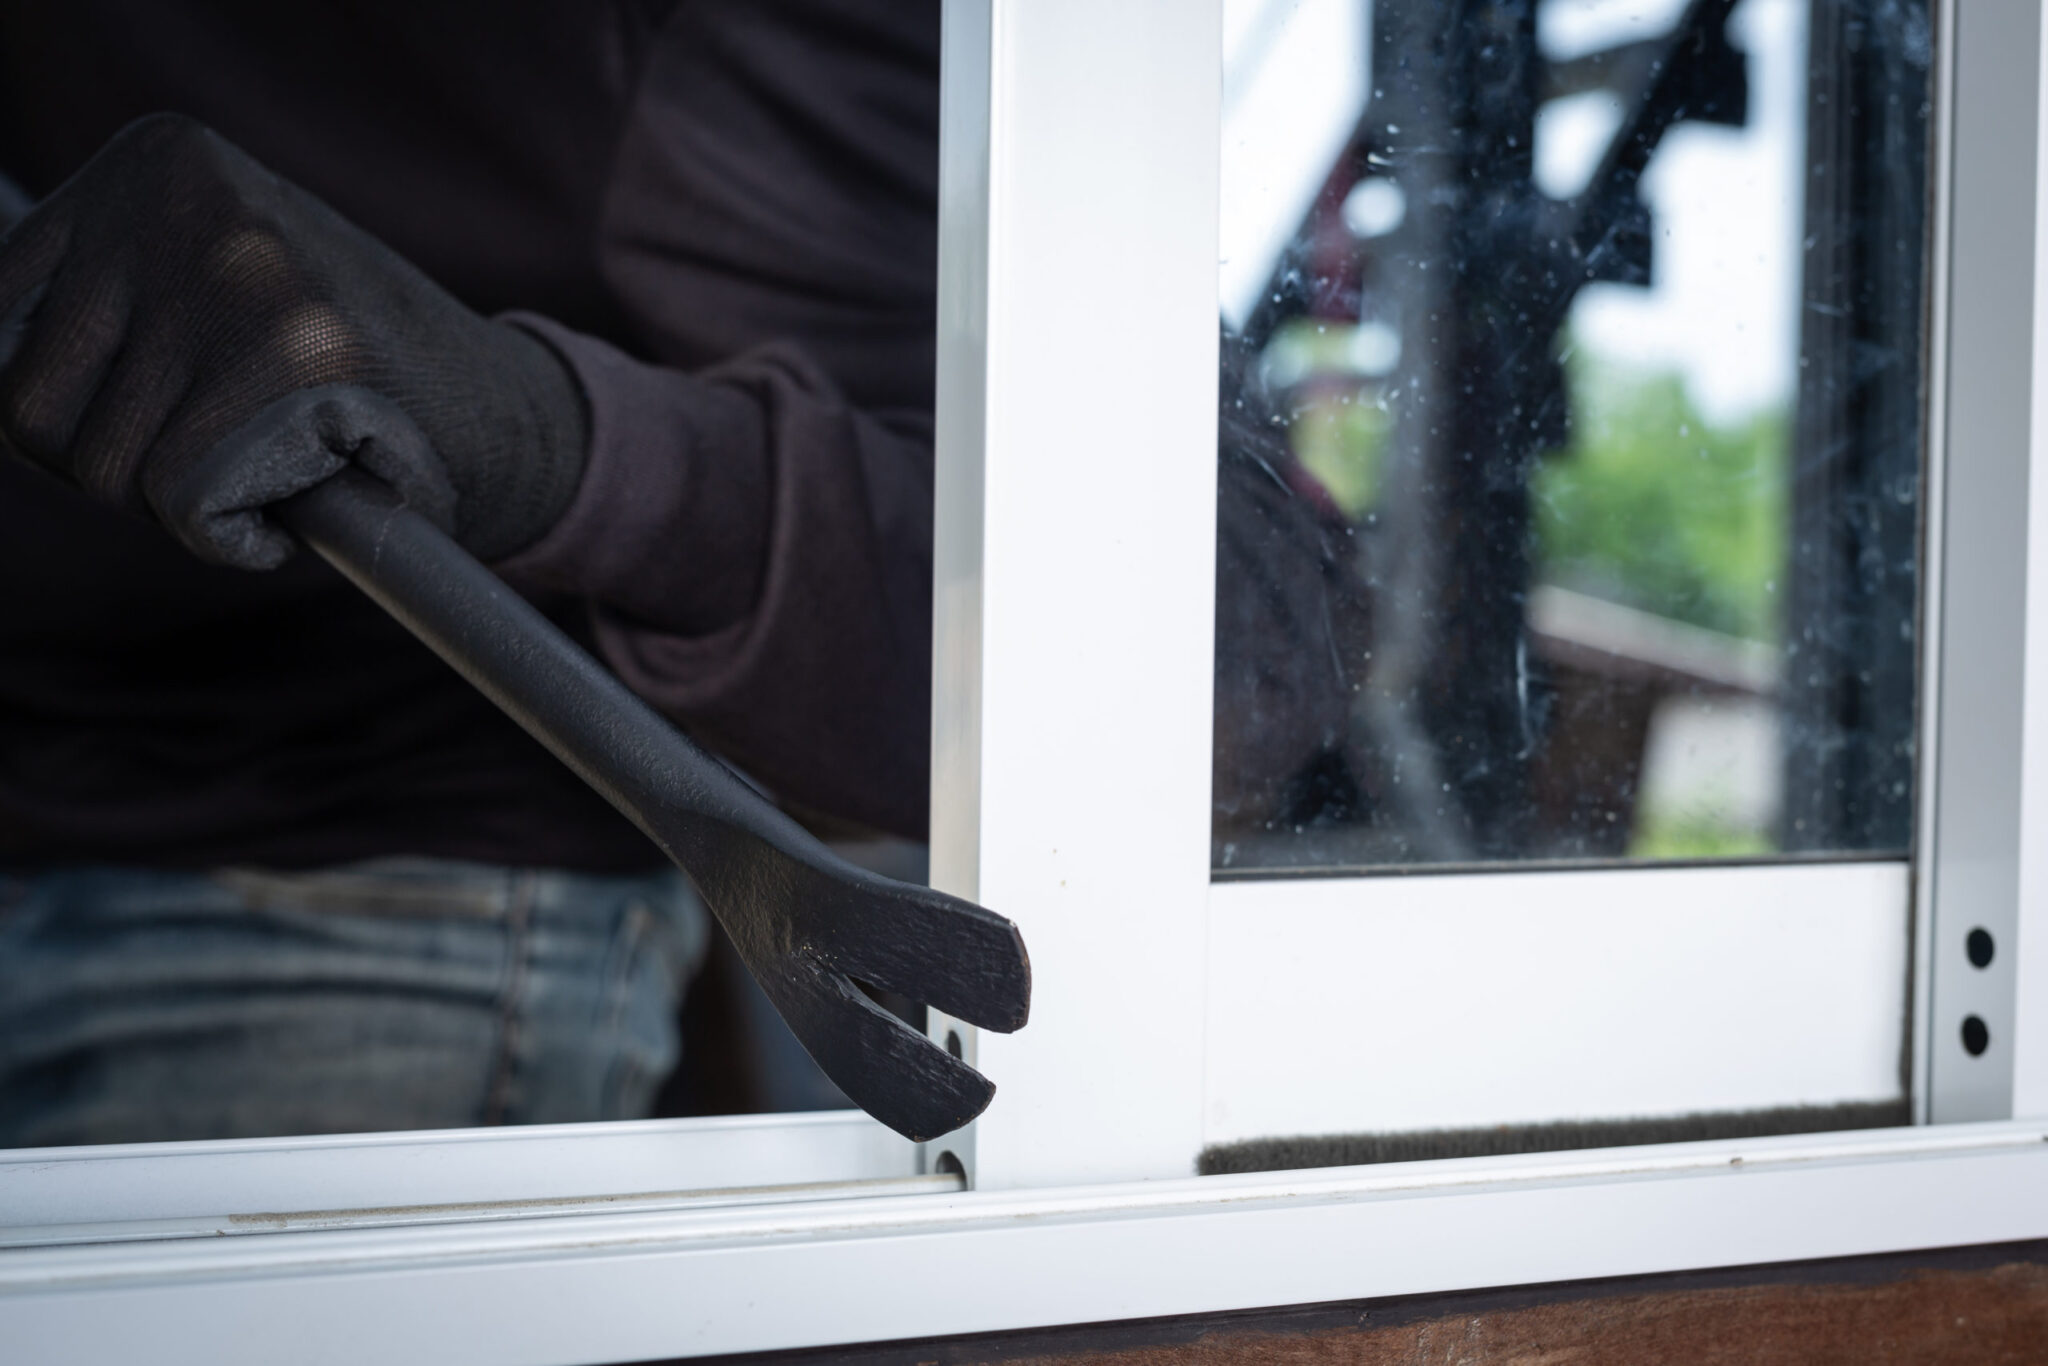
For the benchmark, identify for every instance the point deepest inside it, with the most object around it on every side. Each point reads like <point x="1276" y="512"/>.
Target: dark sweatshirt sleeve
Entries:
<point x="753" y="530"/>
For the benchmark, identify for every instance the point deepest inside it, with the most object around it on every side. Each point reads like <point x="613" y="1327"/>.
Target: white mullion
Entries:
<point x="2030" y="986"/>
<point x="1075" y="798"/>
<point x="1970" y="840"/>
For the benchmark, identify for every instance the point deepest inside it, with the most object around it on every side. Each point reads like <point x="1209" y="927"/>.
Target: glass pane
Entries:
<point x="1570" y="430"/>
<point x="268" y="865"/>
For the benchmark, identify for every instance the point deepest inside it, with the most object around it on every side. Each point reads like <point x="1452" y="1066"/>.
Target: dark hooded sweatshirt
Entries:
<point x="723" y="214"/>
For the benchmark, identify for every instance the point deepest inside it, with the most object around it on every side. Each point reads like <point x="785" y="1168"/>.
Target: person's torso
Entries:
<point x="157" y="710"/>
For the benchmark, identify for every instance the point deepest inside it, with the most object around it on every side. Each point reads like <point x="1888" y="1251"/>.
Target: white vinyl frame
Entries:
<point x="1077" y="554"/>
<point x="1070" y="791"/>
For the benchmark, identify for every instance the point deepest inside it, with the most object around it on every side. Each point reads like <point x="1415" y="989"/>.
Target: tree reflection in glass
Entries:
<point x="1570" y="430"/>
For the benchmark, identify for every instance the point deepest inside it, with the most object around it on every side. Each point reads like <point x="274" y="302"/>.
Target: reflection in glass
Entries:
<point x="1570" y="429"/>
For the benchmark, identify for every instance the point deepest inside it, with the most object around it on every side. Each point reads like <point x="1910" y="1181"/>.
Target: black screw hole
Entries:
<point x="1979" y="947"/>
<point x="949" y="1164"/>
<point x="953" y="1042"/>
<point x="1976" y="1036"/>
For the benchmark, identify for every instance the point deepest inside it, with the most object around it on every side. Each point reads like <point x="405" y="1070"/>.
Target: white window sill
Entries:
<point x="585" y="1287"/>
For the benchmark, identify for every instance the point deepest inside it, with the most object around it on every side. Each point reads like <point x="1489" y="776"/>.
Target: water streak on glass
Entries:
<point x="1571" y="430"/>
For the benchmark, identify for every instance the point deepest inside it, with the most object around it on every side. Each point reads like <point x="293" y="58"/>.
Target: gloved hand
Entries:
<point x="175" y="299"/>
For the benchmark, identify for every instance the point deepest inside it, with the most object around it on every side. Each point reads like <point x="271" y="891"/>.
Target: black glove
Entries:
<point x="176" y="300"/>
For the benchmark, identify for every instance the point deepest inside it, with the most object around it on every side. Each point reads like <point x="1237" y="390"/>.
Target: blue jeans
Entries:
<point x="392" y="994"/>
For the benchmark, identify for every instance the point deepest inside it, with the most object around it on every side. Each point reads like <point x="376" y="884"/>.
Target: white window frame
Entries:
<point x="1071" y="791"/>
<point x="1077" y="551"/>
